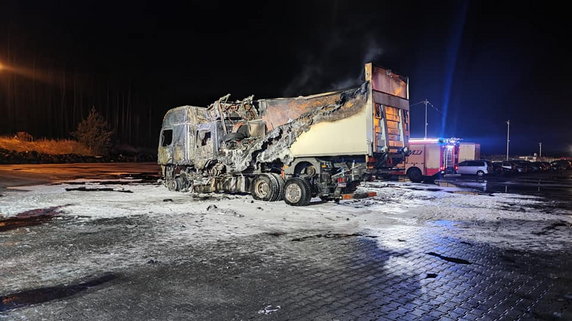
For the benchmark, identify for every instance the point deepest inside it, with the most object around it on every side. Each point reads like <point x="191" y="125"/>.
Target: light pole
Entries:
<point x="426" y="121"/>
<point x="507" y="137"/>
<point x="540" y="149"/>
<point x="425" y="102"/>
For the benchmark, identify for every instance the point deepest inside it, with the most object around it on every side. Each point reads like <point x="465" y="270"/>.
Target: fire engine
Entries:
<point x="431" y="157"/>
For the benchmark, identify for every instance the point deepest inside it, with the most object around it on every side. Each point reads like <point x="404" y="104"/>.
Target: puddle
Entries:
<point x="328" y="236"/>
<point x="467" y="192"/>
<point x="428" y="189"/>
<point x="110" y="182"/>
<point x="118" y="179"/>
<point x="449" y="259"/>
<point x="547" y="229"/>
<point x="29" y="218"/>
<point x="275" y="234"/>
<point x="147" y="177"/>
<point x="97" y="189"/>
<point x="41" y="295"/>
<point x="543" y="184"/>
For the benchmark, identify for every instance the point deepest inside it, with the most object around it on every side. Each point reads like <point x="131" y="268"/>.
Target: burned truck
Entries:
<point x="293" y="149"/>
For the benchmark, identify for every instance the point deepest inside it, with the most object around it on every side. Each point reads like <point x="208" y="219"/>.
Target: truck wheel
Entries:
<point x="265" y="188"/>
<point x="171" y="185"/>
<point x="176" y="184"/>
<point x="181" y="184"/>
<point x="414" y="174"/>
<point x="280" y="183"/>
<point x="297" y="192"/>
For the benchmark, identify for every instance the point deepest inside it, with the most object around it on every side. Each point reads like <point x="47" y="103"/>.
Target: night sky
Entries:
<point x="480" y="63"/>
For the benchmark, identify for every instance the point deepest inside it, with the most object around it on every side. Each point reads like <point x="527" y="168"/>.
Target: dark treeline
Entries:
<point x="49" y="100"/>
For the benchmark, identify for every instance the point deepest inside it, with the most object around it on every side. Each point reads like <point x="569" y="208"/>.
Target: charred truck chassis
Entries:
<point x="288" y="148"/>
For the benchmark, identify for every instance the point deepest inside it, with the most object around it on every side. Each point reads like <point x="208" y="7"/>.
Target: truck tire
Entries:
<point x="171" y="185"/>
<point x="176" y="184"/>
<point x="414" y="174"/>
<point x="297" y="192"/>
<point x="265" y="187"/>
<point x="280" y="182"/>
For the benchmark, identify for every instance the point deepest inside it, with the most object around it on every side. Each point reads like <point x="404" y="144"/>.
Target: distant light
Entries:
<point x="1" y="67"/>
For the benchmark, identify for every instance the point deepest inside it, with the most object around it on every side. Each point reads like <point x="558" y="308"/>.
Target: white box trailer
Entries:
<point x="469" y="151"/>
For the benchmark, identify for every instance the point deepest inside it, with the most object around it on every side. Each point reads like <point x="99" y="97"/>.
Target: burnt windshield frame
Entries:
<point x="166" y="137"/>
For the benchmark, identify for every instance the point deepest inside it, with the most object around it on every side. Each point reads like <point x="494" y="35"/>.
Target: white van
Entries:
<point x="475" y="167"/>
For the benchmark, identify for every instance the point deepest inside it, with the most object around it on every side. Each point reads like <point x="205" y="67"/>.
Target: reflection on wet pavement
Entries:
<point x="406" y="273"/>
<point x="554" y="185"/>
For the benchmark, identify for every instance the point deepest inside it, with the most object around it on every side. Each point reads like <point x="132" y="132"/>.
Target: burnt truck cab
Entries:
<point x="288" y="148"/>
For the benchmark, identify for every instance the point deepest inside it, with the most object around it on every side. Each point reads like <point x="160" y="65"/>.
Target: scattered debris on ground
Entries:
<point x="449" y="259"/>
<point x="269" y="309"/>
<point x="97" y="189"/>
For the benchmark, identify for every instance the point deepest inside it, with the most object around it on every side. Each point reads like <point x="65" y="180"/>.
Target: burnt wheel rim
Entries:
<point x="293" y="193"/>
<point x="261" y="188"/>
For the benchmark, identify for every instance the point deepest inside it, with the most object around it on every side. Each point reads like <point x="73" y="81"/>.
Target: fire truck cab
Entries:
<point x="431" y="157"/>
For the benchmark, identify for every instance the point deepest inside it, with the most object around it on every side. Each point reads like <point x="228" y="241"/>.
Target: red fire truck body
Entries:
<point x="431" y="157"/>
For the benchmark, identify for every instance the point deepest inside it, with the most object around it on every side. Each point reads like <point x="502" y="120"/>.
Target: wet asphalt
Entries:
<point x="421" y="272"/>
<point x="554" y="185"/>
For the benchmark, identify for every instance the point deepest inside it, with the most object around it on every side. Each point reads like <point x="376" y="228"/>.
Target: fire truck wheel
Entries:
<point x="279" y="181"/>
<point x="414" y="174"/>
<point x="265" y="188"/>
<point x="297" y="192"/>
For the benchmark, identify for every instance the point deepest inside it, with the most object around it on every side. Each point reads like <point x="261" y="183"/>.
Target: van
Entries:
<point x="475" y="167"/>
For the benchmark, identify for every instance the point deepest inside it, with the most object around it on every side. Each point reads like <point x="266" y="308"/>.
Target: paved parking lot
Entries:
<point x="335" y="262"/>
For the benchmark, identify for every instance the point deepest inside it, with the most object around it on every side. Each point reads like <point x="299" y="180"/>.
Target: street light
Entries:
<point x="425" y="102"/>
<point x="540" y="150"/>
<point x="507" y="137"/>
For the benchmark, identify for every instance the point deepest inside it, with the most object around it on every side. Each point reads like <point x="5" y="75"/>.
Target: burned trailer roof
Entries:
<point x="279" y="111"/>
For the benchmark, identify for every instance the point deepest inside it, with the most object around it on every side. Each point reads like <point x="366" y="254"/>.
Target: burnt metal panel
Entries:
<point x="280" y="111"/>
<point x="384" y="80"/>
<point x="388" y="100"/>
